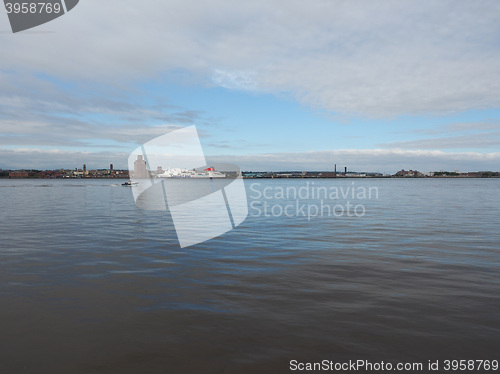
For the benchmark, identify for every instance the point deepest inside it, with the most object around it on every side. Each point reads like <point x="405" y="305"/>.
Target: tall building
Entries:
<point x="140" y="170"/>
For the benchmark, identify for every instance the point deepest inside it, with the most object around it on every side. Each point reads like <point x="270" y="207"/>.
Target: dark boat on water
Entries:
<point x="130" y="183"/>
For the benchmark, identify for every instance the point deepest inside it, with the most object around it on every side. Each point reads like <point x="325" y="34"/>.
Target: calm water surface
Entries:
<point x="91" y="284"/>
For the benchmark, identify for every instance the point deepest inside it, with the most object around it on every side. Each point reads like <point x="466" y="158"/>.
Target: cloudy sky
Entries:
<point x="271" y="85"/>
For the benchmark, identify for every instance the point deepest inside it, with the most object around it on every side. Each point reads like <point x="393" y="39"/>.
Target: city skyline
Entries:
<point x="377" y="87"/>
<point x="141" y="168"/>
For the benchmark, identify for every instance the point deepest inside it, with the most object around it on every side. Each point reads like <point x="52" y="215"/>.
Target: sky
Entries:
<point x="270" y="85"/>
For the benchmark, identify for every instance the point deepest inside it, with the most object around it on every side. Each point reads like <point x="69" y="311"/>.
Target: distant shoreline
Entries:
<point x="277" y="177"/>
<point x="377" y="177"/>
<point x="124" y="174"/>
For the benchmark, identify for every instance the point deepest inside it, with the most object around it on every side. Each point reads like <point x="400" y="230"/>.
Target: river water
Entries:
<point x="89" y="283"/>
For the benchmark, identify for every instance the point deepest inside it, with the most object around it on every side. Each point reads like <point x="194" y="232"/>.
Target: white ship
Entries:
<point x="208" y="173"/>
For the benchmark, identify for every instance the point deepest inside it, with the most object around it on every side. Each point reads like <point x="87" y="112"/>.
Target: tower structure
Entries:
<point x="140" y="170"/>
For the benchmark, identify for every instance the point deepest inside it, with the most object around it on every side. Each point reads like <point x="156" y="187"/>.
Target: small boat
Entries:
<point x="130" y="183"/>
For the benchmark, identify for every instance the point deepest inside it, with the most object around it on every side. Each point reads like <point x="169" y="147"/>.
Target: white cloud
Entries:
<point x="45" y="116"/>
<point x="242" y="80"/>
<point x="469" y="141"/>
<point x="374" y="58"/>
<point x="42" y="159"/>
